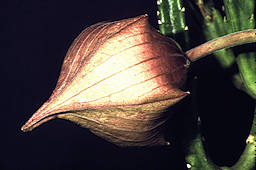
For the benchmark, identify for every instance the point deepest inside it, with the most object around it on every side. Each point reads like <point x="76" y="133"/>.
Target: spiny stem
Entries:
<point x="227" y="41"/>
<point x="171" y="20"/>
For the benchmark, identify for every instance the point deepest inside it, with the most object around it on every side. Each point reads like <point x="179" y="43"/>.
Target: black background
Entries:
<point x="36" y="34"/>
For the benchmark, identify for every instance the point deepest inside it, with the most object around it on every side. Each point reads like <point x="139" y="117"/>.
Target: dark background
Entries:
<point x="36" y="34"/>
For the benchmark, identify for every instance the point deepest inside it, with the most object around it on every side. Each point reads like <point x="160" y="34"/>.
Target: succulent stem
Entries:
<point x="227" y="41"/>
<point x="171" y="20"/>
<point x="247" y="159"/>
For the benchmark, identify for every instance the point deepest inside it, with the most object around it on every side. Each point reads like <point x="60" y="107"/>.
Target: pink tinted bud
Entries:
<point x="117" y="79"/>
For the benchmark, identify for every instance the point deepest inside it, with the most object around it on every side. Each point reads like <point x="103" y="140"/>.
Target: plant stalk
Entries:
<point x="227" y="41"/>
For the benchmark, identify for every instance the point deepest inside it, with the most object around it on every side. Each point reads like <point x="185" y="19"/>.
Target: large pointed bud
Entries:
<point x="117" y="79"/>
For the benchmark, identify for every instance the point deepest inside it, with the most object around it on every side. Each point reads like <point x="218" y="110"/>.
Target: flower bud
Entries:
<point x="117" y="79"/>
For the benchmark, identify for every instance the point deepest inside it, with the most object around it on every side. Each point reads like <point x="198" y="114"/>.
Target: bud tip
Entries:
<point x="24" y="128"/>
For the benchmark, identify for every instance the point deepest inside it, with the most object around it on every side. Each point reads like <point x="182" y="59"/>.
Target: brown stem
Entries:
<point x="227" y="41"/>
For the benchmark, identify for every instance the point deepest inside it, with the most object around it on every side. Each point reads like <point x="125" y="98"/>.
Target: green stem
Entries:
<point x="247" y="68"/>
<point x="240" y="84"/>
<point x="227" y="41"/>
<point x="171" y="20"/>
<point x="171" y="17"/>
<point x="216" y="27"/>
<point x="247" y="159"/>
<point x="197" y="158"/>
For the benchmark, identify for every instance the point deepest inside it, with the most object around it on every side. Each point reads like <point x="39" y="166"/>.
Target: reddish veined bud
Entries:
<point x="117" y="79"/>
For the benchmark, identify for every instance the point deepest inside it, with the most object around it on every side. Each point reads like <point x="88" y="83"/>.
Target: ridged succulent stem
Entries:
<point x="227" y="41"/>
<point x="239" y="17"/>
<point x="171" y="20"/>
<point x="247" y="159"/>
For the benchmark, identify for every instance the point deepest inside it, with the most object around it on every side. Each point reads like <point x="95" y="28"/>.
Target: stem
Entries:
<point x="247" y="159"/>
<point x="246" y="63"/>
<point x="171" y="17"/>
<point x="227" y="41"/>
<point x="171" y="20"/>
